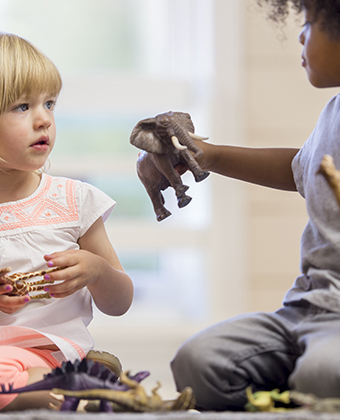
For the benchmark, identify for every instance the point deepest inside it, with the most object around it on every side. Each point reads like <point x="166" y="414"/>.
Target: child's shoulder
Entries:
<point x="63" y="188"/>
<point x="334" y="101"/>
<point x="53" y="181"/>
<point x="76" y="187"/>
<point x="55" y="178"/>
<point x="331" y="109"/>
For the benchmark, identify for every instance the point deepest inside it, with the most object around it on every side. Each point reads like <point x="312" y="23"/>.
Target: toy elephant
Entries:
<point x="166" y="141"/>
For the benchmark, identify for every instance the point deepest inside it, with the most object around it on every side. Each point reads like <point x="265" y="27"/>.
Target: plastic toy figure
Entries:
<point x="167" y="141"/>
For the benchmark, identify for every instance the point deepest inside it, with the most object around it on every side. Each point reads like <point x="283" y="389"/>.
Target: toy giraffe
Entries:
<point x="22" y="287"/>
<point x="332" y="176"/>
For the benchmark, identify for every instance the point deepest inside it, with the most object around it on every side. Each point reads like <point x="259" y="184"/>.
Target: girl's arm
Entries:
<point x="96" y="266"/>
<point x="113" y="290"/>
<point x="267" y="167"/>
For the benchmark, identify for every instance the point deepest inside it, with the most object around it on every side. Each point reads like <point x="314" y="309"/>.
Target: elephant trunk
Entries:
<point x="185" y="141"/>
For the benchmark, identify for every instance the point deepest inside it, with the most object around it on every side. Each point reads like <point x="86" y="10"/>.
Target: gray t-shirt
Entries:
<point x="319" y="282"/>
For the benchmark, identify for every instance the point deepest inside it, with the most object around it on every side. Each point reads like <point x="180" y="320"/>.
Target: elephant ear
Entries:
<point x="185" y="121"/>
<point x="144" y="137"/>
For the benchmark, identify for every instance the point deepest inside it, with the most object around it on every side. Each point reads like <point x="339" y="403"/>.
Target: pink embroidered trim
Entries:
<point x="79" y="350"/>
<point x="47" y="207"/>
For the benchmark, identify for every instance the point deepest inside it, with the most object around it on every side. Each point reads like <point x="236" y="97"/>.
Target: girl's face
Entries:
<point x="320" y="54"/>
<point x="27" y="133"/>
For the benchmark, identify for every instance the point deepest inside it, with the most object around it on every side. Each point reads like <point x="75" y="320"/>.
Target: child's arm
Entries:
<point x="267" y="167"/>
<point x="96" y="266"/>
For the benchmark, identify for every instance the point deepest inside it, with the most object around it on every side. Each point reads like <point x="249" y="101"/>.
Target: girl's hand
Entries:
<point x="11" y="304"/>
<point x="95" y="266"/>
<point x="83" y="268"/>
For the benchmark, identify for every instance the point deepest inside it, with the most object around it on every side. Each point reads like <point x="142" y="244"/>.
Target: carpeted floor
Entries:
<point x="54" y="415"/>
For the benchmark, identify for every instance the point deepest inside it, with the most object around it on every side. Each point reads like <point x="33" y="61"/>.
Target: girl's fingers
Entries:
<point x="14" y="300"/>
<point x="11" y="304"/>
<point x="64" y="258"/>
<point x="5" y="288"/>
<point x="67" y="273"/>
<point x="69" y="283"/>
<point x="63" y="289"/>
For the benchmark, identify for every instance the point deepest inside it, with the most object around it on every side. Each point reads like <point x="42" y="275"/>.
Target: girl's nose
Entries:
<point x="42" y="119"/>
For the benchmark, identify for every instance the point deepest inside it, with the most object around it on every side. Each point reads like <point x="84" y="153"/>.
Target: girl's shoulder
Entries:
<point x="89" y="201"/>
<point x="59" y="187"/>
<point x="56" y="185"/>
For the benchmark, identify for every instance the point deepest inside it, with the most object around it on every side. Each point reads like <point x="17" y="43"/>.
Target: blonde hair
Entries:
<point x="24" y="71"/>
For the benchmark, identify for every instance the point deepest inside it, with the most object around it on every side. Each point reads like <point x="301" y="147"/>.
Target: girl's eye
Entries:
<point x="50" y="105"/>
<point x="21" y="108"/>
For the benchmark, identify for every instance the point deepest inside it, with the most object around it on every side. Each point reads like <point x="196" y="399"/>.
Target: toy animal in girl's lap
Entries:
<point x="20" y="285"/>
<point x="166" y="141"/>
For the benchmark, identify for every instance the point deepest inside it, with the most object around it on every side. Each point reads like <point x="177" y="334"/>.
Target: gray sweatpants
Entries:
<point x="297" y="347"/>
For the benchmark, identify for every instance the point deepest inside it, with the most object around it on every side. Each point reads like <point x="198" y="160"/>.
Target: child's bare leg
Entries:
<point x="37" y="399"/>
<point x="34" y="400"/>
<point x="36" y="374"/>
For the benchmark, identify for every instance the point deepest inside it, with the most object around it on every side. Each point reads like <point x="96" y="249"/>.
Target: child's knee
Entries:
<point x="321" y="379"/>
<point x="183" y="358"/>
<point x="190" y="355"/>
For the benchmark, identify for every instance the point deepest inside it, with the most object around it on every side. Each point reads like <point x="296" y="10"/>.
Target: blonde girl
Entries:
<point x="46" y="222"/>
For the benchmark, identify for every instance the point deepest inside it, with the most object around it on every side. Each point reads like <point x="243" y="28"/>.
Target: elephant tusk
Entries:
<point x="196" y="137"/>
<point x="177" y="144"/>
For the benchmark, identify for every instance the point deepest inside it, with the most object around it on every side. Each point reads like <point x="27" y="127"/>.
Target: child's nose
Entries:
<point x="42" y="119"/>
<point x="302" y="37"/>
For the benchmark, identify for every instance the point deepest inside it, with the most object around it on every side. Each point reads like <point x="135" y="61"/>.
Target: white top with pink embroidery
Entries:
<point x="52" y="219"/>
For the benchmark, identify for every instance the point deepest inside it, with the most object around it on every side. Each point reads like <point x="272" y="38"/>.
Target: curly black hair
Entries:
<point x="326" y="10"/>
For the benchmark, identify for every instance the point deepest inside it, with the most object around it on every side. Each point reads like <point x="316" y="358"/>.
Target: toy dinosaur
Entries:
<point x="134" y="399"/>
<point x="267" y="400"/>
<point x="22" y="287"/>
<point x="77" y="376"/>
<point x="313" y="403"/>
<point x="275" y="401"/>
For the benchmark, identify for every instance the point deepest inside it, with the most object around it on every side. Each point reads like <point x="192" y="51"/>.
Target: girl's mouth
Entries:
<point x="42" y="144"/>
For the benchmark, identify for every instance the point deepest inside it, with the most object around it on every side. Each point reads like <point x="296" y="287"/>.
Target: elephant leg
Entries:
<point x="153" y="182"/>
<point x="164" y="164"/>
<point x="183" y="201"/>
<point x="158" y="205"/>
<point x="158" y="201"/>
<point x="193" y="166"/>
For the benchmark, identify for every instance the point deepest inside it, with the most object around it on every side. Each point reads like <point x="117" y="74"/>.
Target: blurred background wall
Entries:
<point x="235" y="247"/>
